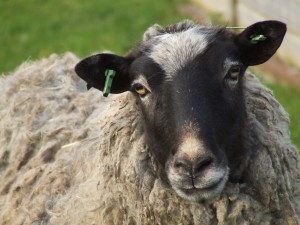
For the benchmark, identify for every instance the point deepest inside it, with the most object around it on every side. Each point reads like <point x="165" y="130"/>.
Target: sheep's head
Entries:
<point x="188" y="80"/>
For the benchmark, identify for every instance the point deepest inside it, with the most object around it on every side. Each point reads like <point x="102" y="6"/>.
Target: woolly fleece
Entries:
<point x="70" y="156"/>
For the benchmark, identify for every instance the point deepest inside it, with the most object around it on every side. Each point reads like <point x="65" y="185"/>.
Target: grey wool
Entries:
<point x="71" y="156"/>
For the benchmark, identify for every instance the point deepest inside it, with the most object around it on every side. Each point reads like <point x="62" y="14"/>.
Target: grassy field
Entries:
<point x="33" y="29"/>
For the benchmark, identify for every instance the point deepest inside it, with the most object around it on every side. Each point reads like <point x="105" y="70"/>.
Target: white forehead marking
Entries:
<point x="173" y="51"/>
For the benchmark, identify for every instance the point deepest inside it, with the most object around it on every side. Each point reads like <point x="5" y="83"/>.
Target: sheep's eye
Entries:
<point x="234" y="72"/>
<point x="140" y="89"/>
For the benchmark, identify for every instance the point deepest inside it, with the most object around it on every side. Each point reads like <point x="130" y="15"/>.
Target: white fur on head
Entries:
<point x="157" y="29"/>
<point x="176" y="45"/>
<point x="173" y="50"/>
<point x="152" y="31"/>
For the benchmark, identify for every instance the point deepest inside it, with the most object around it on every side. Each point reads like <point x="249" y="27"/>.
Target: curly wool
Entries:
<point x="70" y="156"/>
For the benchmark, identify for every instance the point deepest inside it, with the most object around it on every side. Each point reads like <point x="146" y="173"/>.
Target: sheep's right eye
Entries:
<point x="140" y="89"/>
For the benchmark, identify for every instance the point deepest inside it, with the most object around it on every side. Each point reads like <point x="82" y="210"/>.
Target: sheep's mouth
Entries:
<point x="201" y="191"/>
<point x="194" y="190"/>
<point x="209" y="188"/>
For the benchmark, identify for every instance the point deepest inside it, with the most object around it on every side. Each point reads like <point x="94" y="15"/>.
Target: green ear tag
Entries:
<point x="256" y="38"/>
<point x="109" y="74"/>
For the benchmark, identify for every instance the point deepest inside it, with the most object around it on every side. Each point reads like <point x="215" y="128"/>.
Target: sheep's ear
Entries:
<point x="92" y="70"/>
<point x="258" y="42"/>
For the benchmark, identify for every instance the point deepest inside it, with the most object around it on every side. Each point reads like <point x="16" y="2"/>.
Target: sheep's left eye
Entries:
<point x="234" y="72"/>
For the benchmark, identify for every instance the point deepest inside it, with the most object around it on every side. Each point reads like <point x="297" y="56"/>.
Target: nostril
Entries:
<point x="202" y="164"/>
<point x="187" y="167"/>
<point x="178" y="165"/>
<point x="182" y="165"/>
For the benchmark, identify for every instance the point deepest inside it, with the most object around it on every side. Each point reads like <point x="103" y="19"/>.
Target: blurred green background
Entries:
<point x="33" y="29"/>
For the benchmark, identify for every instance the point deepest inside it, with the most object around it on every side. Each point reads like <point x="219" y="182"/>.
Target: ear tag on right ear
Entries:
<point x="109" y="74"/>
<point x="254" y="39"/>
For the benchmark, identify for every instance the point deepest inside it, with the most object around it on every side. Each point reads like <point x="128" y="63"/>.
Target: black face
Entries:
<point x="194" y="117"/>
<point x="188" y="80"/>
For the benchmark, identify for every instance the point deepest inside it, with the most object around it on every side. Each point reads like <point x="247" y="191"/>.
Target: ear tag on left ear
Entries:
<point x="254" y="39"/>
<point x="109" y="74"/>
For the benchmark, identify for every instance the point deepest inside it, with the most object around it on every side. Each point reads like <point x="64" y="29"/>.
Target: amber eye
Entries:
<point x="140" y="89"/>
<point x="234" y="72"/>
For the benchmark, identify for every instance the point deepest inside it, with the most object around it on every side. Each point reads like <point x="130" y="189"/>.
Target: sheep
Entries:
<point x="69" y="156"/>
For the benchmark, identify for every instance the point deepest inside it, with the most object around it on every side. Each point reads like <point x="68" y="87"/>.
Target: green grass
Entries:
<point x="32" y="29"/>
